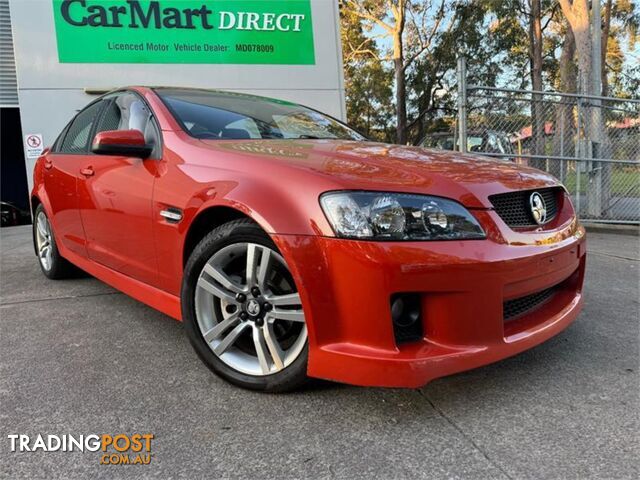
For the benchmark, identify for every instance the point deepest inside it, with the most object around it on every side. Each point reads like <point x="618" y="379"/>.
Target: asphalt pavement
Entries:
<point x="78" y="357"/>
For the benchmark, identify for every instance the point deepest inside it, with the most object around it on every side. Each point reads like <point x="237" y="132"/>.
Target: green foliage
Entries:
<point x="369" y="100"/>
<point x="368" y="81"/>
<point x="623" y="77"/>
<point x="494" y="35"/>
<point x="432" y="80"/>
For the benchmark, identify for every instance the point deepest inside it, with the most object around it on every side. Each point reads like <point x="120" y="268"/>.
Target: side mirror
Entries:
<point x="126" y="143"/>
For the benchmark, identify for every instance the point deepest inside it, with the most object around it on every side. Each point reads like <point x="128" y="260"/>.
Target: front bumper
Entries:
<point x="346" y="286"/>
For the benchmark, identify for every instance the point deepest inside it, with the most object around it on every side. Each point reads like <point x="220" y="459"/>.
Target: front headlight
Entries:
<point x="398" y="216"/>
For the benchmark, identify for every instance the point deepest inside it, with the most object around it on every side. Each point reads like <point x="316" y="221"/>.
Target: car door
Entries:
<point x="61" y="174"/>
<point x="115" y="194"/>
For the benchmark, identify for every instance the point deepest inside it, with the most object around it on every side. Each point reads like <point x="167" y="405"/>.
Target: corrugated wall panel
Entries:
<point x="8" y="82"/>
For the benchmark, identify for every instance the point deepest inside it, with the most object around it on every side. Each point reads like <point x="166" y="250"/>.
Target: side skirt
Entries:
<point x="151" y="296"/>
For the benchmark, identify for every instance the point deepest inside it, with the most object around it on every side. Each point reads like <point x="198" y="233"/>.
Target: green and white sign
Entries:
<point x="185" y="31"/>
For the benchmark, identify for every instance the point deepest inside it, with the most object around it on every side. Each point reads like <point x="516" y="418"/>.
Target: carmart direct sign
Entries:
<point x="184" y="31"/>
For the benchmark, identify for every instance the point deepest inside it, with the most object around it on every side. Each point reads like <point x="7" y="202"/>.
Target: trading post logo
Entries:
<point x="119" y="449"/>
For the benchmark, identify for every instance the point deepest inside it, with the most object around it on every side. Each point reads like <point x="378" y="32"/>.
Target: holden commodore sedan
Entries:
<point x="291" y="247"/>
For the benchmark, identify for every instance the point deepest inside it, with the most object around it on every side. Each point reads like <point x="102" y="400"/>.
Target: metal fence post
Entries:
<point x="562" y="125"/>
<point x="578" y="154"/>
<point x="462" y="105"/>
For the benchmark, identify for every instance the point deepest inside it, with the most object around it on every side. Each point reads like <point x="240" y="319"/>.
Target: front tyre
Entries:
<point x="242" y="311"/>
<point x="51" y="262"/>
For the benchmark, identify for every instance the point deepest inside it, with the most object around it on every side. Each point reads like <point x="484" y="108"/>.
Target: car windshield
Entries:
<point x="225" y="115"/>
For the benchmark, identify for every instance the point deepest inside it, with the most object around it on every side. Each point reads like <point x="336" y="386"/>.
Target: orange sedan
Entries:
<point x="291" y="247"/>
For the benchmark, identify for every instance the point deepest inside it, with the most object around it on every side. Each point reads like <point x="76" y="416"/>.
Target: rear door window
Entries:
<point x="77" y="138"/>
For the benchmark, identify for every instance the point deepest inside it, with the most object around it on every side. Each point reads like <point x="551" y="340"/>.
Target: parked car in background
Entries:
<point x="478" y="141"/>
<point x="292" y="247"/>
<point x="11" y="215"/>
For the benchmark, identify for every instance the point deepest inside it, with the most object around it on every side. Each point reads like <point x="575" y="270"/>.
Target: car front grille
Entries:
<point x="519" y="306"/>
<point x="515" y="210"/>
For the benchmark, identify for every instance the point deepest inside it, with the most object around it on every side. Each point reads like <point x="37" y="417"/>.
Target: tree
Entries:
<point x="400" y="58"/>
<point x="595" y="143"/>
<point x="577" y="14"/>
<point x="369" y="84"/>
<point x="390" y="16"/>
<point x="369" y="105"/>
<point x="411" y="26"/>
<point x="537" y="114"/>
<point x="620" y="23"/>
<point x="523" y="37"/>
<point x="433" y="79"/>
<point x="606" y="28"/>
<point x="563" y="142"/>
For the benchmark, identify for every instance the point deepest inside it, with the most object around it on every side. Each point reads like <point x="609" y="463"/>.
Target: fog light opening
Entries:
<point x="406" y="317"/>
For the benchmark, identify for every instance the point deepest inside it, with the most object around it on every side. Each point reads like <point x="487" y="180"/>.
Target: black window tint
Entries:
<point x="77" y="138"/>
<point x="110" y="119"/>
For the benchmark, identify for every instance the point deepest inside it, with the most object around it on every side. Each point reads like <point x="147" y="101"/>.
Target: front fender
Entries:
<point x="278" y="210"/>
<point x="279" y="205"/>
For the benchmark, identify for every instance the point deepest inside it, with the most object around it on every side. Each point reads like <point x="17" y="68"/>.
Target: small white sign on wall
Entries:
<point x="33" y="145"/>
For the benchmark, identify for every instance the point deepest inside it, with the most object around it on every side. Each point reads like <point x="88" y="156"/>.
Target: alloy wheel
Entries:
<point x="44" y="241"/>
<point x="249" y="311"/>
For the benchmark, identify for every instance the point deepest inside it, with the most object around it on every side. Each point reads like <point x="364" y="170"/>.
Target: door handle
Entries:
<point x="48" y="164"/>
<point x="87" y="171"/>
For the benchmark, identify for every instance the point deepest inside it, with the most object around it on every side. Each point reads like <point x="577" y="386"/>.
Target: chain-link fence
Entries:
<point x="592" y="144"/>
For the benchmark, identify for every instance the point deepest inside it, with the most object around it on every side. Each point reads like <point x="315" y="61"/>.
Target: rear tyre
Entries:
<point x="51" y="262"/>
<point x="242" y="312"/>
